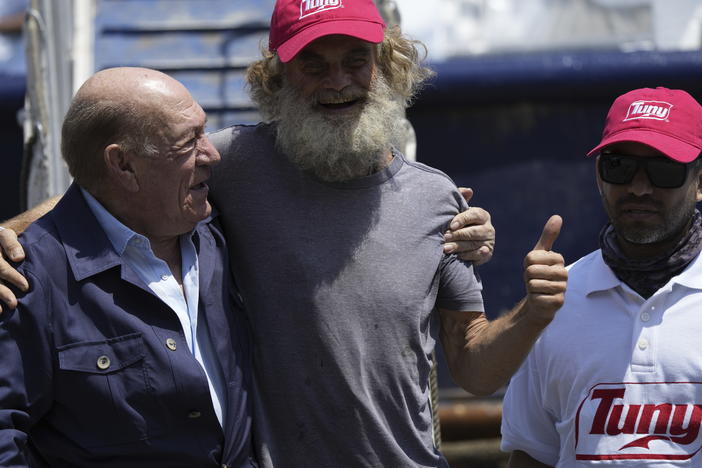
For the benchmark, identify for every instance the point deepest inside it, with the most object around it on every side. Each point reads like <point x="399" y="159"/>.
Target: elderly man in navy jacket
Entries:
<point x="130" y="348"/>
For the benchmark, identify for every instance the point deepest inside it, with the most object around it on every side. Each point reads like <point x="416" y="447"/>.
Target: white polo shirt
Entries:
<point x="614" y="380"/>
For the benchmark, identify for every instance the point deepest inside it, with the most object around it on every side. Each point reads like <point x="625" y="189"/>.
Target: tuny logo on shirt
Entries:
<point x="640" y="421"/>
<point x="656" y="110"/>
<point x="311" y="7"/>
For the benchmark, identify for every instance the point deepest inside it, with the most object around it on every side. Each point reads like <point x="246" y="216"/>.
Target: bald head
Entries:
<point x="123" y="106"/>
<point x="141" y="86"/>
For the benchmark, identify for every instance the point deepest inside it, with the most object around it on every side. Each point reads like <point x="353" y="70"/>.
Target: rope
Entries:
<point x="434" y="396"/>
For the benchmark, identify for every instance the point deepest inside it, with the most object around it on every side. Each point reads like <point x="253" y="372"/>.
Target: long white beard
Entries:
<point x="339" y="148"/>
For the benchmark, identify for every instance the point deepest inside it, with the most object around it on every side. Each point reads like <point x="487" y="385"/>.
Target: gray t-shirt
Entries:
<point x="341" y="282"/>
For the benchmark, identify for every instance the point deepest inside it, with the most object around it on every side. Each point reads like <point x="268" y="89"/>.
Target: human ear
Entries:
<point x="120" y="167"/>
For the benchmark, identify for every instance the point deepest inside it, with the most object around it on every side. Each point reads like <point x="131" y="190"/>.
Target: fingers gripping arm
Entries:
<point x="471" y="235"/>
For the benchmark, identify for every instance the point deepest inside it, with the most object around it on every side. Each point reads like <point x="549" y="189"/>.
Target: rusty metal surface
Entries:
<point x="470" y="418"/>
<point x="470" y="429"/>
<point x="480" y="453"/>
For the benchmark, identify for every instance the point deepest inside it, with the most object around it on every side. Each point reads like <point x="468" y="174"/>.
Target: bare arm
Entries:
<point x="482" y="355"/>
<point x="11" y="248"/>
<point x="22" y="221"/>
<point x="519" y="459"/>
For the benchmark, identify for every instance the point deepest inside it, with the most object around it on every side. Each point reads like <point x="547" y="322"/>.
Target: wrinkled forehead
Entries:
<point x="181" y="119"/>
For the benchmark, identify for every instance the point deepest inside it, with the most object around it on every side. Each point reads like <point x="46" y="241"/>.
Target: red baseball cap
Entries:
<point x="296" y="23"/>
<point x="668" y="120"/>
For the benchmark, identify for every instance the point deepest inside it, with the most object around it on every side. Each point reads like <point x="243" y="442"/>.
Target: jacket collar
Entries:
<point x="87" y="247"/>
<point x="89" y="250"/>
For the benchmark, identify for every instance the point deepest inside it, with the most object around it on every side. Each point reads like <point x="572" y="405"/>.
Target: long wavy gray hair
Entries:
<point x="399" y="58"/>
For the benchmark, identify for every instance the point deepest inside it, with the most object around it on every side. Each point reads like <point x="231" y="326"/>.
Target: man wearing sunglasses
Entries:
<point x="616" y="378"/>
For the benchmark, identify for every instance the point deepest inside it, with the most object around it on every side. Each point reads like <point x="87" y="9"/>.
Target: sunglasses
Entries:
<point x="663" y="172"/>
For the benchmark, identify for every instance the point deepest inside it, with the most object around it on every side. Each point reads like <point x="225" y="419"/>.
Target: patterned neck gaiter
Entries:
<point x="648" y="275"/>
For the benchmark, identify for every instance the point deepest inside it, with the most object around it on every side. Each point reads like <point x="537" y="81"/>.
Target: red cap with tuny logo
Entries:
<point x="669" y="120"/>
<point x="296" y="23"/>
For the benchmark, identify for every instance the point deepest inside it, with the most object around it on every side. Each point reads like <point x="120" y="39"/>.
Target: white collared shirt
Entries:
<point x="615" y="378"/>
<point x="135" y="250"/>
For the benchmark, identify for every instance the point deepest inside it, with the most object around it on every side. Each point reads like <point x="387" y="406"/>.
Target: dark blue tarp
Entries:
<point x="516" y="128"/>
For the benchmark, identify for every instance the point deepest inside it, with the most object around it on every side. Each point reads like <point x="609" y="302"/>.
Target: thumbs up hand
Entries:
<point x="545" y="275"/>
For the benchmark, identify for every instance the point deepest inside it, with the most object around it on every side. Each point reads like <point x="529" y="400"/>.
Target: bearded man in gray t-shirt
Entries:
<point x="336" y="242"/>
<point x="337" y="245"/>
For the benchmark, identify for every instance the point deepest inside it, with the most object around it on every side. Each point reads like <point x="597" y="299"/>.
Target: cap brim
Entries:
<point x="669" y="146"/>
<point x="365" y="30"/>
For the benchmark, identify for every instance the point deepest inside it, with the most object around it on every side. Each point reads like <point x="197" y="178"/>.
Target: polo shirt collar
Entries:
<point x="601" y="277"/>
<point x="691" y="277"/>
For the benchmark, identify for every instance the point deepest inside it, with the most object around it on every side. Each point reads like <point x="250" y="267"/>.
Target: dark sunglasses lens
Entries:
<point x="662" y="172"/>
<point x="617" y="169"/>
<point x="665" y="173"/>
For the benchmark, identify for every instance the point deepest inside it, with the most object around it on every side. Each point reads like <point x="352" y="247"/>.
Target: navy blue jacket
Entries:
<point x="86" y="375"/>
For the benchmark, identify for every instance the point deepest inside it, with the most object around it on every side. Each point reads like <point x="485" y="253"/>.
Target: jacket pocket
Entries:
<point x="102" y="392"/>
<point x="103" y="357"/>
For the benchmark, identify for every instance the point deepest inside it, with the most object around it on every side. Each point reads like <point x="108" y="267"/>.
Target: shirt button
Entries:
<point x="645" y="316"/>
<point x="171" y="343"/>
<point x="164" y="277"/>
<point x="103" y="362"/>
<point x="643" y="344"/>
<point x="194" y="414"/>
